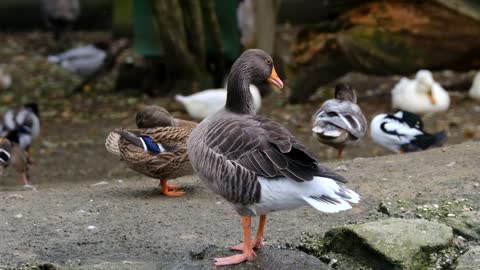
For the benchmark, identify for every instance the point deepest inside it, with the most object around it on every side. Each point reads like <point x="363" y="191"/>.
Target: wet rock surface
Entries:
<point x="467" y="224"/>
<point x="470" y="260"/>
<point x="391" y="243"/>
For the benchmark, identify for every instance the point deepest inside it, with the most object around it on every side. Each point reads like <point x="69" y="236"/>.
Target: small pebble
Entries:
<point x="450" y="215"/>
<point x="92" y="228"/>
<point x="341" y="168"/>
<point x="18" y="216"/>
<point x="333" y="263"/>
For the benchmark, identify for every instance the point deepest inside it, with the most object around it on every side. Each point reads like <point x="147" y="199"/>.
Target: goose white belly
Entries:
<point x="284" y="194"/>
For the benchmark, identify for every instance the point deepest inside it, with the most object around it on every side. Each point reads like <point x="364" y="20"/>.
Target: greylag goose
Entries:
<point x="403" y="132"/>
<point x="340" y="121"/>
<point x="255" y="163"/>
<point x="156" y="148"/>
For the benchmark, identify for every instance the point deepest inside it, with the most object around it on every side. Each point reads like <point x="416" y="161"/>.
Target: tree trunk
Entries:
<point x="385" y="37"/>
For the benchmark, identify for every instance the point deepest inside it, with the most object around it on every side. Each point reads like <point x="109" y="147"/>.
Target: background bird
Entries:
<point x="83" y="61"/>
<point x="157" y="148"/>
<point x="202" y="104"/>
<point x="21" y="126"/>
<point x="421" y="95"/>
<point x="474" y="91"/>
<point x="60" y="15"/>
<point x="340" y="120"/>
<point x="403" y="132"/>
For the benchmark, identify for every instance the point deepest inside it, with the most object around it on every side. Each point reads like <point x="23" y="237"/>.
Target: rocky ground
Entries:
<point x="127" y="221"/>
<point x="91" y="212"/>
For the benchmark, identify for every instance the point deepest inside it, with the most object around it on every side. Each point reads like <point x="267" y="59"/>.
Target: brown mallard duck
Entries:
<point x="157" y="148"/>
<point x="12" y="154"/>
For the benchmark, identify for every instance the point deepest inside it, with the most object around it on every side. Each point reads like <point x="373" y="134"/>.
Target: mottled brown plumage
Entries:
<point x="257" y="164"/>
<point x="171" y="161"/>
<point x="11" y="154"/>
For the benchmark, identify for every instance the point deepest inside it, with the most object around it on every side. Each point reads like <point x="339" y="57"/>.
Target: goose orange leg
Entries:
<point x="248" y="253"/>
<point x="170" y="191"/>
<point x="258" y="241"/>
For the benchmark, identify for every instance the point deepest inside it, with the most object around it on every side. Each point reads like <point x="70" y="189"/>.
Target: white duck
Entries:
<point x="421" y="95"/>
<point x="204" y="103"/>
<point x="475" y="89"/>
<point x="83" y="61"/>
<point x="5" y="79"/>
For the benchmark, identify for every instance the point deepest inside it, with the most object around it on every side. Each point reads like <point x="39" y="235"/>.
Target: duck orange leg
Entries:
<point x="258" y="241"/>
<point x="170" y="191"/>
<point x="340" y="152"/>
<point x="248" y="253"/>
<point x="29" y="155"/>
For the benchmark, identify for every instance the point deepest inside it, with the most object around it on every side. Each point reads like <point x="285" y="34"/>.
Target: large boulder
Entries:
<point x="391" y="243"/>
<point x="469" y="260"/>
<point x="466" y="224"/>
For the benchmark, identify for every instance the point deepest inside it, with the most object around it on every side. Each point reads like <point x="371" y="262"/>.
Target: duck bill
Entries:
<point x="431" y="97"/>
<point x="275" y="80"/>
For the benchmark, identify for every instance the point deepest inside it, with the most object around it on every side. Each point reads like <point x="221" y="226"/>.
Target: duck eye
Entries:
<point x="269" y="62"/>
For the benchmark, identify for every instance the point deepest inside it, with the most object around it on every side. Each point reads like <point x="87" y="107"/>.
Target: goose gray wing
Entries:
<point x="343" y="114"/>
<point x="265" y="148"/>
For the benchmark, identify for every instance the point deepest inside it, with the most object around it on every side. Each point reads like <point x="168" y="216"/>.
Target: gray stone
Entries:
<point x="203" y="259"/>
<point x="469" y="260"/>
<point x="467" y="224"/>
<point x="391" y="243"/>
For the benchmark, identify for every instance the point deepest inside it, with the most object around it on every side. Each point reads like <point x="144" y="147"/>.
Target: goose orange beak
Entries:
<point x="275" y="80"/>
<point x="431" y="97"/>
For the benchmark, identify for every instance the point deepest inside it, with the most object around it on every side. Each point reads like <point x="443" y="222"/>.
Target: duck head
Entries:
<point x="256" y="67"/>
<point x="343" y="91"/>
<point x="425" y="84"/>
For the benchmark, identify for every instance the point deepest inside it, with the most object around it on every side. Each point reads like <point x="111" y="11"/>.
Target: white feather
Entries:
<point x="412" y="95"/>
<point x="204" y="103"/>
<point x="282" y="194"/>
<point x="8" y="119"/>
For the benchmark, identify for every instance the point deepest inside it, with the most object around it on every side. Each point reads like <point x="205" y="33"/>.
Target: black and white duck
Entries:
<point x="403" y="132"/>
<point x="255" y="163"/>
<point x="22" y="126"/>
<point x="340" y="120"/>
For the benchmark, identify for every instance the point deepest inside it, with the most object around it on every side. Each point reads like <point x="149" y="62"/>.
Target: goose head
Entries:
<point x="425" y="84"/>
<point x="254" y="66"/>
